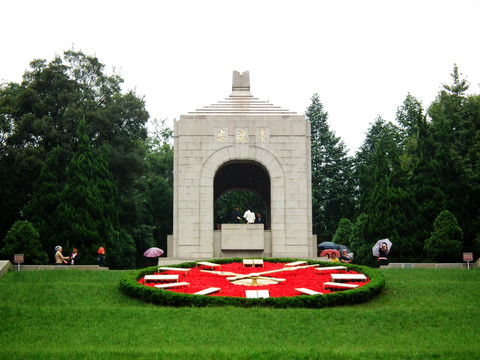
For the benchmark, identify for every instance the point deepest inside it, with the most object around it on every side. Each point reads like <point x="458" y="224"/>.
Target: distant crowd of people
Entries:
<point x="342" y="256"/>
<point x="74" y="258"/>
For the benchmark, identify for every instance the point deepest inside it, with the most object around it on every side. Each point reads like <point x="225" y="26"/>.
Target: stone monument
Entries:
<point x="242" y="143"/>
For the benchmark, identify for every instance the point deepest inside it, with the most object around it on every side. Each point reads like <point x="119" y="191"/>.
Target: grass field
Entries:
<point x="421" y="314"/>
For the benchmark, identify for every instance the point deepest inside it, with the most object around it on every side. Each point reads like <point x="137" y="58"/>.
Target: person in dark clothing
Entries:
<point x="235" y="216"/>
<point x="101" y="257"/>
<point x="74" y="258"/>
<point x="383" y="255"/>
<point x="259" y="219"/>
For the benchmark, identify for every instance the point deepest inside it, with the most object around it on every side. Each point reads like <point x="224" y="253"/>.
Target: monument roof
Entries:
<point x="241" y="101"/>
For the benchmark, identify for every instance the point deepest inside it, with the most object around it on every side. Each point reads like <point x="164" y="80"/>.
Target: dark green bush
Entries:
<point x="23" y="238"/>
<point x="130" y="286"/>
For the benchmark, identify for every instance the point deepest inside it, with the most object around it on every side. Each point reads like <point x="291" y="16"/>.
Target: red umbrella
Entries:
<point x="153" y="252"/>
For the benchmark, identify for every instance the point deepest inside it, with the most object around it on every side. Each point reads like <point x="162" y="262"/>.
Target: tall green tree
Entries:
<point x="79" y="216"/>
<point x="426" y="178"/>
<point x="43" y="112"/>
<point x="361" y="243"/>
<point x="385" y="194"/>
<point x="87" y="217"/>
<point x="414" y="168"/>
<point x="154" y="193"/>
<point x="333" y="194"/>
<point x="46" y="197"/>
<point x="455" y="129"/>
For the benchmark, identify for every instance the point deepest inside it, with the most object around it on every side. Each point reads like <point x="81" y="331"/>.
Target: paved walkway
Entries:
<point x="432" y="265"/>
<point x="6" y="265"/>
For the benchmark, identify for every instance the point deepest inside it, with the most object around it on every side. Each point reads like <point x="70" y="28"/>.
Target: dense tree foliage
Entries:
<point x="77" y="168"/>
<point x="155" y="191"/>
<point x="24" y="239"/>
<point x="409" y="172"/>
<point x="39" y="119"/>
<point x="332" y="174"/>
<point x="455" y="128"/>
<point x="344" y="233"/>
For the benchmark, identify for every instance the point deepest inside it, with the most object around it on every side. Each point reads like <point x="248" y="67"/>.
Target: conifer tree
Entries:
<point x="385" y="193"/>
<point x="455" y="129"/>
<point x="333" y="194"/>
<point x="79" y="215"/>
<point x="445" y="244"/>
<point x="87" y="217"/>
<point x="46" y="197"/>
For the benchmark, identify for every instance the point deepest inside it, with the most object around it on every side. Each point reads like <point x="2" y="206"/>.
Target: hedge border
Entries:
<point x="130" y="286"/>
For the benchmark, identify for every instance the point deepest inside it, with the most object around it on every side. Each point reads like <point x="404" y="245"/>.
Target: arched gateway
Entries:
<point x="248" y="144"/>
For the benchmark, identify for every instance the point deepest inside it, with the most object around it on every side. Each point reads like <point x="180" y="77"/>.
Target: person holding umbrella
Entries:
<point x="383" y="254"/>
<point x="152" y="254"/>
<point x="381" y="250"/>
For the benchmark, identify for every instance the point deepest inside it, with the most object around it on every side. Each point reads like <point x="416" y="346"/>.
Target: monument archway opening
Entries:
<point x="244" y="176"/>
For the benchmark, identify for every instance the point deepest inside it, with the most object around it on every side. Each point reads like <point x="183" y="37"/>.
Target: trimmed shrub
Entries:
<point x="23" y="238"/>
<point x="445" y="244"/>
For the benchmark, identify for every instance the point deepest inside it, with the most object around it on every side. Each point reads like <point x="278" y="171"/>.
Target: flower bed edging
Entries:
<point x="130" y="286"/>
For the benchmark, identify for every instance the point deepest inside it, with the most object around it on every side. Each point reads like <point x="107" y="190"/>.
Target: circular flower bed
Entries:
<point x="282" y="293"/>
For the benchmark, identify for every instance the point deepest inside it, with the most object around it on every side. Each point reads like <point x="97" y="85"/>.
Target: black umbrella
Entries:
<point x="328" y="245"/>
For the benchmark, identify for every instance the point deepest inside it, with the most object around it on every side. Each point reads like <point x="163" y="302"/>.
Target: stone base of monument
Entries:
<point x="242" y="237"/>
<point x="243" y="241"/>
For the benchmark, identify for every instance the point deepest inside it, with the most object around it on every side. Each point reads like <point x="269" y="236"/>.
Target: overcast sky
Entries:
<point x="361" y="57"/>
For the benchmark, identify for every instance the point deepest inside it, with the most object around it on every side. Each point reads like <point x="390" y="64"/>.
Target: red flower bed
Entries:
<point x="300" y="278"/>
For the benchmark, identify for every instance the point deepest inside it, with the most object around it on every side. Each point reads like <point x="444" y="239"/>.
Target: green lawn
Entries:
<point x="421" y="314"/>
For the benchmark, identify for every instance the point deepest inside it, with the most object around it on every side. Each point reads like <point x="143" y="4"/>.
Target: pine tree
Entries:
<point x="445" y="244"/>
<point x="79" y="215"/>
<point x="455" y="129"/>
<point x="386" y="196"/>
<point x="88" y="216"/>
<point x="45" y="199"/>
<point x="362" y="243"/>
<point x="333" y="194"/>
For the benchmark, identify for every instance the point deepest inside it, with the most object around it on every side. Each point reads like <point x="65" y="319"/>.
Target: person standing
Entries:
<point x="383" y="255"/>
<point x="260" y="220"/>
<point x="346" y="257"/>
<point x="101" y="257"/>
<point x="249" y="216"/>
<point x="235" y="217"/>
<point x="59" y="258"/>
<point x="74" y="258"/>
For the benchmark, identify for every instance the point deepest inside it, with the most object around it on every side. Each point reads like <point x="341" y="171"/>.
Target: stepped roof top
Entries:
<point x="241" y="101"/>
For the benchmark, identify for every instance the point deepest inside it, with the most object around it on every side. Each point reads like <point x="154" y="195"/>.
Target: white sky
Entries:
<point x="361" y="57"/>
